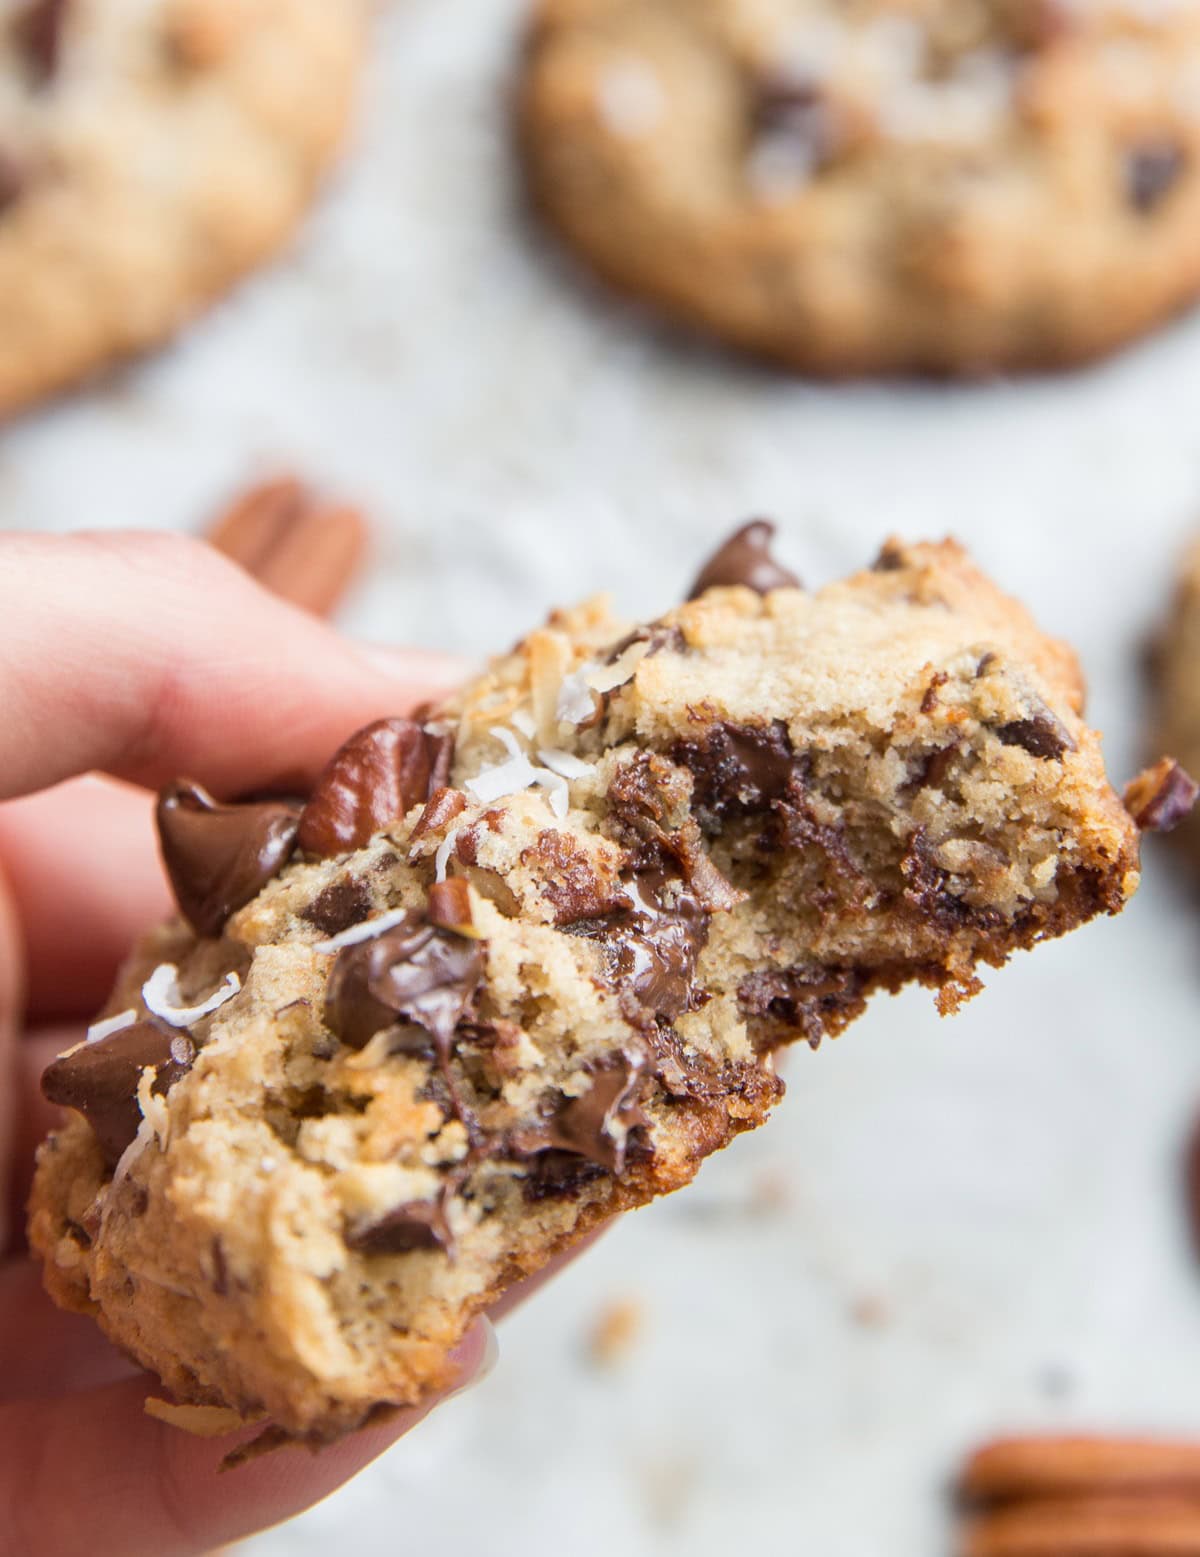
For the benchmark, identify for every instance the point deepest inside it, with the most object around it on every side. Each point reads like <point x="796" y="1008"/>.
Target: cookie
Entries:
<point x="1176" y="676"/>
<point x="525" y="964"/>
<point x="857" y="186"/>
<point x="152" y="152"/>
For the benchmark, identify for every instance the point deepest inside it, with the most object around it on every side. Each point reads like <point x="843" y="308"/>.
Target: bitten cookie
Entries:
<point x="525" y="964"/>
<point x="856" y="186"/>
<point x="151" y="152"/>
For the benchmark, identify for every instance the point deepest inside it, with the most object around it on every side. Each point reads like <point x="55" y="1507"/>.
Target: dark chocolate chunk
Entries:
<point x="414" y="973"/>
<point x="738" y="769"/>
<point x="101" y="1079"/>
<point x="745" y="558"/>
<point x="648" y="800"/>
<point x="37" y="29"/>
<point x="1043" y="734"/>
<point x="450" y="905"/>
<point x="585" y="1125"/>
<point x="812" y="1001"/>
<point x="1161" y="797"/>
<point x="1151" y="171"/>
<point x="553" y="1174"/>
<point x="651" y="953"/>
<point x="417" y="1224"/>
<point x="338" y="906"/>
<point x="374" y="779"/>
<point x="218" y="857"/>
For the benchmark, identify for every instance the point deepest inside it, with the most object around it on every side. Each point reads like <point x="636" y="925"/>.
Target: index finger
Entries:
<point x="148" y="655"/>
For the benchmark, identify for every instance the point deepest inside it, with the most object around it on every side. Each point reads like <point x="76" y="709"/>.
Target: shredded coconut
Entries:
<point x="518" y="773"/>
<point x="366" y="931"/>
<point x="565" y="763"/>
<point x="576" y="700"/>
<point x="558" y="796"/>
<point x="161" y="994"/>
<point x="521" y="719"/>
<point x="110" y="1025"/>
<point x="444" y="849"/>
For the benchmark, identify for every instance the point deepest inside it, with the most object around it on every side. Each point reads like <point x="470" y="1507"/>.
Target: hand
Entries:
<point x="141" y="657"/>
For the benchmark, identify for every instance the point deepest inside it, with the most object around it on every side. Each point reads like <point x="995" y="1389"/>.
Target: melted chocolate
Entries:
<point x="373" y="780"/>
<point x="218" y="857"/>
<point x="417" y="1224"/>
<point x="651" y="953"/>
<point x="740" y="769"/>
<point x="101" y="1080"/>
<point x="596" y="1125"/>
<point x="414" y="973"/>
<point x="745" y="558"/>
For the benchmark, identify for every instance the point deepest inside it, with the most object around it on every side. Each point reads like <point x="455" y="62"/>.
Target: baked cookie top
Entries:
<point x="855" y="185"/>
<point x="150" y="152"/>
<point x="524" y="964"/>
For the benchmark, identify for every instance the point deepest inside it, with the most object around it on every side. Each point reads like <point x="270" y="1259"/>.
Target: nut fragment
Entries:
<point x="1161" y="796"/>
<point x="375" y="778"/>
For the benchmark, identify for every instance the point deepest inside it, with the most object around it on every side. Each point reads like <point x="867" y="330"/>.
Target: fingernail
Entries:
<point x="488" y="1358"/>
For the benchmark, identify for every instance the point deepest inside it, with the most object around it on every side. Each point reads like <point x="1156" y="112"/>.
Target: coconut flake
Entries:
<point x="442" y="858"/>
<point x="110" y="1025"/>
<point x="565" y="763"/>
<point x="609" y="677"/>
<point x="506" y="778"/>
<point x="161" y="994"/>
<point x="521" y="719"/>
<point x="557" y="794"/>
<point x="576" y="701"/>
<point x="366" y="931"/>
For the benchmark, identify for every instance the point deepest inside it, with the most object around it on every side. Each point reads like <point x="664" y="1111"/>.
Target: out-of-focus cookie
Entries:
<point x="151" y="152"/>
<point x="875" y="185"/>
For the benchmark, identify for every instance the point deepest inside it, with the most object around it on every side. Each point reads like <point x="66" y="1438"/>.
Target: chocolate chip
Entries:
<point x="745" y="558"/>
<point x="414" y="973"/>
<point x="450" y="905"/>
<point x="596" y="1124"/>
<point x="373" y="780"/>
<point x="101" y="1080"/>
<point x="1161" y="797"/>
<point x="218" y="857"/>
<point x="651" y="954"/>
<point x="338" y="906"/>
<point x="37" y="30"/>
<point x="1151" y="171"/>
<point x="739" y="769"/>
<point x="1043" y="735"/>
<point x="417" y="1224"/>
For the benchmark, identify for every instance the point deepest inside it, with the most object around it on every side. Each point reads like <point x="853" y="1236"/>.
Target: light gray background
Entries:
<point x="982" y="1226"/>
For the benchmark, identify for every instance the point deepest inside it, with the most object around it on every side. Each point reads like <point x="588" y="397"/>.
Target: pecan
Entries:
<point x="376" y="777"/>
<point x="1161" y="796"/>
<point x="299" y="546"/>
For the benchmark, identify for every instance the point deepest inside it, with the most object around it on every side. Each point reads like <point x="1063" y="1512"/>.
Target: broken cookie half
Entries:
<point x="525" y="963"/>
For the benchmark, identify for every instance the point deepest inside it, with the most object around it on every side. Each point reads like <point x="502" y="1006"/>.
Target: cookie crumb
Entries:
<point x="615" y="1332"/>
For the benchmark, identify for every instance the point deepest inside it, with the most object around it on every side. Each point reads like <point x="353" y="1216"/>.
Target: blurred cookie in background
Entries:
<point x="151" y="152"/>
<point x="1175" y="671"/>
<point x="854" y="186"/>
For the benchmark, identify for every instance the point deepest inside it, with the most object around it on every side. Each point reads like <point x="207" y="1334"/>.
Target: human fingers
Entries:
<point x="145" y="1489"/>
<point x="150" y="655"/>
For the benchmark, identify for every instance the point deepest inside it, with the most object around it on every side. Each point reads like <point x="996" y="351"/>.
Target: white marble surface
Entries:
<point x="982" y="1227"/>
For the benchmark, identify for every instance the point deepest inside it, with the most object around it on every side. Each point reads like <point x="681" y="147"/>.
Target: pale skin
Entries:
<point x="138" y="657"/>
